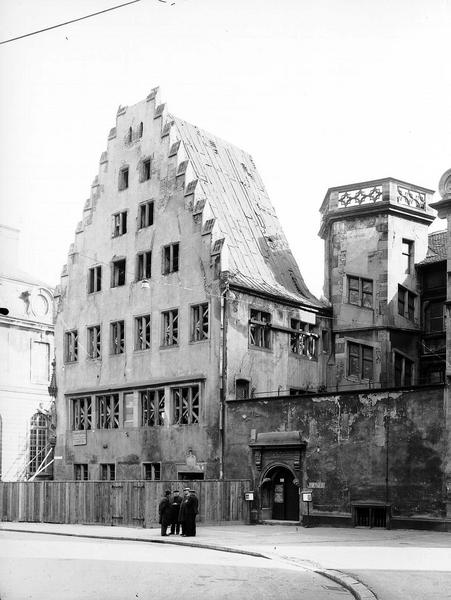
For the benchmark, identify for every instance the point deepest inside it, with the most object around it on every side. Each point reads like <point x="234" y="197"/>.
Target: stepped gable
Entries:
<point x="258" y="255"/>
<point x="437" y="247"/>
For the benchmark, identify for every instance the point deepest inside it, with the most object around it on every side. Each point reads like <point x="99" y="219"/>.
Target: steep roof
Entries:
<point x="437" y="247"/>
<point x="257" y="253"/>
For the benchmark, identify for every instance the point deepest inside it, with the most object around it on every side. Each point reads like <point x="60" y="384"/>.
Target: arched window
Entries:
<point x="141" y="129"/>
<point x="38" y="442"/>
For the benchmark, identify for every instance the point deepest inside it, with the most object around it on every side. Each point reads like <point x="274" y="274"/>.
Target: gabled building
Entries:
<point x="26" y="351"/>
<point x="180" y="293"/>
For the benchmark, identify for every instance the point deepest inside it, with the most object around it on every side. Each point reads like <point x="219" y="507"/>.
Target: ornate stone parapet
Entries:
<point x="359" y="196"/>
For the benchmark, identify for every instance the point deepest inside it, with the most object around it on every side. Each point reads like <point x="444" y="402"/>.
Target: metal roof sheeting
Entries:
<point x="258" y="256"/>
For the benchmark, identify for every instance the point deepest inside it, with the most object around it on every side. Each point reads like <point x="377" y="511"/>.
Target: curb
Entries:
<point x="358" y="589"/>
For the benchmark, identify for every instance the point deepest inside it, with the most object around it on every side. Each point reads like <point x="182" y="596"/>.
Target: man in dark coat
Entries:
<point x="164" y="511"/>
<point x="175" y="512"/>
<point x="195" y="511"/>
<point x="184" y="512"/>
<point x="188" y="512"/>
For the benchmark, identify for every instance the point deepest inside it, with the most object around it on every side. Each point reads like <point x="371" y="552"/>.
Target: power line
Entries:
<point x="100" y="12"/>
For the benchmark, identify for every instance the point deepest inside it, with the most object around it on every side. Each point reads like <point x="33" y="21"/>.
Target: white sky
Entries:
<point x="320" y="92"/>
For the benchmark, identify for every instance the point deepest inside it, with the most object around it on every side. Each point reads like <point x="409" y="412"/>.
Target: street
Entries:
<point x="38" y="567"/>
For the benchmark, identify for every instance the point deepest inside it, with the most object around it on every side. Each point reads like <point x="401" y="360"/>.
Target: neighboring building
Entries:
<point x="180" y="293"/>
<point x="374" y="233"/>
<point x="26" y="348"/>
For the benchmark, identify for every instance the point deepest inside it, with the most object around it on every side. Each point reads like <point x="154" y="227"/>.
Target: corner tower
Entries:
<point x="374" y="233"/>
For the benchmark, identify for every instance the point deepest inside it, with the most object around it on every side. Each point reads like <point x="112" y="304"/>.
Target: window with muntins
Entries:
<point x="403" y="370"/>
<point x="152" y="407"/>
<point x="71" y="346"/>
<point x="152" y="471"/>
<point x="142" y="332"/>
<point x="242" y="387"/>
<point x="81" y="471"/>
<point x="107" y="407"/>
<point x="186" y="404"/>
<point x="81" y="413"/>
<point x="95" y="279"/>
<point x="118" y="271"/>
<point x="107" y="472"/>
<point x="407" y="256"/>
<point x="120" y="223"/>
<point x="406" y="303"/>
<point x="118" y="337"/>
<point x="360" y="291"/>
<point x="170" y="258"/>
<point x="360" y="361"/>
<point x="170" y="328"/>
<point x="94" y="345"/>
<point x="304" y="342"/>
<point x="260" y="329"/>
<point x="199" y="322"/>
<point x="433" y="318"/>
<point x="38" y="443"/>
<point x="143" y="265"/>
<point x="145" y="215"/>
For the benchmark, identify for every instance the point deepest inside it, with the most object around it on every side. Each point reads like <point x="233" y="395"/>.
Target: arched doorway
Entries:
<point x="280" y="495"/>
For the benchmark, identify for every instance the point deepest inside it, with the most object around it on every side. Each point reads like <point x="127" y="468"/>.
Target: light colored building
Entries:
<point x="180" y="293"/>
<point x="26" y="351"/>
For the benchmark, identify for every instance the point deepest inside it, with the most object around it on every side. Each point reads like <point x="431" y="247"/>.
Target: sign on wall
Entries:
<point x="79" y="438"/>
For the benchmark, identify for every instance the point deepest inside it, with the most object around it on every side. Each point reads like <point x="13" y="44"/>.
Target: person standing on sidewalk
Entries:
<point x="164" y="511"/>
<point x="183" y="514"/>
<point x="195" y="510"/>
<point x="175" y="512"/>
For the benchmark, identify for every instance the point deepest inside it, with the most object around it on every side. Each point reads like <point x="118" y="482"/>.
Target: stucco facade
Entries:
<point x="26" y="352"/>
<point x="180" y="292"/>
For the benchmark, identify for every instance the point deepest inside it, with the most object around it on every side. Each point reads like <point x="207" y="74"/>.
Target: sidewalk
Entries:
<point x="325" y="550"/>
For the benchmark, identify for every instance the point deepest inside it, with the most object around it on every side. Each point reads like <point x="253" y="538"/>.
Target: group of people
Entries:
<point x="179" y="513"/>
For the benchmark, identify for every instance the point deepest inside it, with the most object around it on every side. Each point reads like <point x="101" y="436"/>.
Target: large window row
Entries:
<point x="170" y="334"/>
<point x="143" y="268"/>
<point x="151" y="471"/>
<point x="150" y="407"/>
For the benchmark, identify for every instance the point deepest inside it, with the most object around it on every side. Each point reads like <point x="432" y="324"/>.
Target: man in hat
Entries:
<point x="175" y="512"/>
<point x="164" y="511"/>
<point x="195" y="511"/>
<point x="184" y="512"/>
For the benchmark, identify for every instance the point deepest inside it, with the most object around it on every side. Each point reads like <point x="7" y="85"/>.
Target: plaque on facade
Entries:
<point x="79" y="438"/>
<point x="319" y="485"/>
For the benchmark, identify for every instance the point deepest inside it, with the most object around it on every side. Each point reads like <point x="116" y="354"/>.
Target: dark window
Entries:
<point x="123" y="179"/>
<point x="81" y="413"/>
<point x="140" y="129"/>
<point x="199" y="322"/>
<point x="142" y="332"/>
<point x="120" y="223"/>
<point x="360" y="361"/>
<point x="130" y="135"/>
<point x="406" y="303"/>
<point x="118" y="272"/>
<point x="260" y="329"/>
<point x="144" y="265"/>
<point x="81" y="471"/>
<point x="129" y="409"/>
<point x="107" y="411"/>
<point x="37" y="455"/>
<point x="95" y="279"/>
<point x="433" y="318"/>
<point x="145" y="217"/>
<point x="170" y="258"/>
<point x="94" y="342"/>
<point x="145" y="171"/>
<point x="118" y="337"/>
<point x="360" y="291"/>
<point x="108" y="472"/>
<point x="170" y="328"/>
<point x="186" y="405"/>
<point x="71" y="346"/>
<point x="403" y="370"/>
<point x="152" y="471"/>
<point x="304" y="341"/>
<point x="407" y="256"/>
<point x="152" y="407"/>
<point x="242" y="387"/>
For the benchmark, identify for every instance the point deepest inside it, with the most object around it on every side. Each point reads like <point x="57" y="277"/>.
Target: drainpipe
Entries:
<point x="387" y="439"/>
<point x="223" y="376"/>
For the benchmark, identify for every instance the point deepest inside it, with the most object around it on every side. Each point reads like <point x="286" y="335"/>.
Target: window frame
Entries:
<point x="119" y="223"/>
<point x="303" y="342"/>
<point x="408" y="256"/>
<point x="171" y="258"/>
<point x="186" y="404"/>
<point x="155" y="471"/>
<point x="117" y="347"/>
<point x="82" y="414"/>
<point x="199" y="322"/>
<point x="107" y="408"/>
<point x="118" y="272"/>
<point x="167" y="328"/>
<point x="145" y="171"/>
<point x="259" y="335"/>
<point x="107" y="472"/>
<point x="143" y="323"/>
<point x="124" y="178"/>
<point x="95" y="279"/>
<point x="356" y="285"/>
<point x="407" y="301"/>
<point x="144" y="265"/>
<point x="428" y="320"/>
<point x="152" y="406"/>
<point x="94" y="342"/>
<point x="356" y="351"/>
<point x="81" y="472"/>
<point x="402" y="365"/>
<point x="146" y="214"/>
<point x="71" y="346"/>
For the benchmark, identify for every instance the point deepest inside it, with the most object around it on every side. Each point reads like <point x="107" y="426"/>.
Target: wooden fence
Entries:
<point x="128" y="503"/>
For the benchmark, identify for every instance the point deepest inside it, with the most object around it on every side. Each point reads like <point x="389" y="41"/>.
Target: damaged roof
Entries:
<point x="257" y="254"/>
<point x="437" y="247"/>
